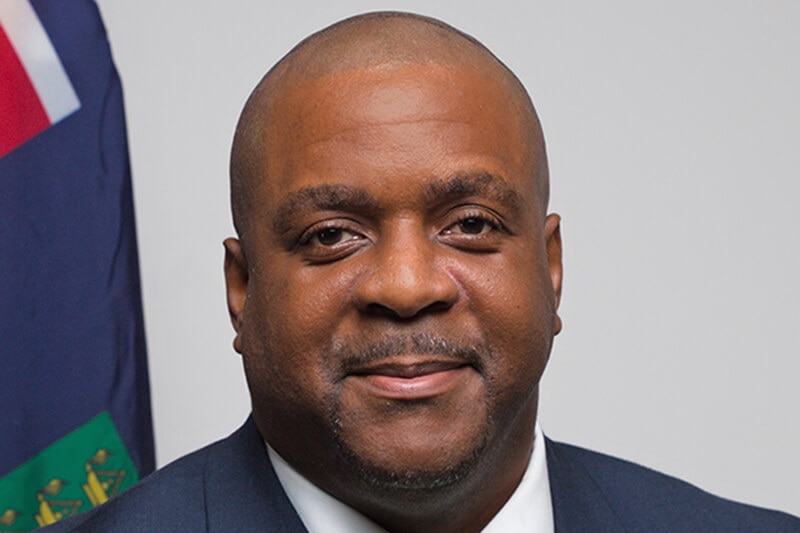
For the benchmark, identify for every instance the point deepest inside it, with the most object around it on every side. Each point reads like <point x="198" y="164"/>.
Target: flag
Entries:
<point x="75" y="423"/>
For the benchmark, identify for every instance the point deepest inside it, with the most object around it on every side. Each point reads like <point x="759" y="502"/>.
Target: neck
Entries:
<point x="465" y="506"/>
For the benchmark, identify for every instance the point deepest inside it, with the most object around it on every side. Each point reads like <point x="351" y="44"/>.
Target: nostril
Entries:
<point x="400" y="314"/>
<point x="437" y="306"/>
<point x="379" y="309"/>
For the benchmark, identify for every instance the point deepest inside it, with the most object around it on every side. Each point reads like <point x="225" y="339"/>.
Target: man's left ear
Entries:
<point x="236" y="286"/>
<point x="552" y="234"/>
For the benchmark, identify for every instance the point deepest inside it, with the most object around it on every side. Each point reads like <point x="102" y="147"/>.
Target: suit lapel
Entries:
<point x="578" y="503"/>
<point x="241" y="489"/>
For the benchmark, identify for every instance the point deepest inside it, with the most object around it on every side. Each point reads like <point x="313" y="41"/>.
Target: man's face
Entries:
<point x="395" y="292"/>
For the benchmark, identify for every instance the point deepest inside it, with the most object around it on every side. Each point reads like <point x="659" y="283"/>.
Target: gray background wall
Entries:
<point x="673" y="138"/>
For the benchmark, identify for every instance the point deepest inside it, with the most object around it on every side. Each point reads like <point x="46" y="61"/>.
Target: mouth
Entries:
<point x="411" y="380"/>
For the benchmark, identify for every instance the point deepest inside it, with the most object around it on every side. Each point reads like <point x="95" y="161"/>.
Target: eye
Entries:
<point x="474" y="226"/>
<point x="330" y="240"/>
<point x="474" y="229"/>
<point x="331" y="236"/>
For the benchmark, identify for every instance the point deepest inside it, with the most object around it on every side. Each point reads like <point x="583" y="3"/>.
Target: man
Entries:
<point x="394" y="288"/>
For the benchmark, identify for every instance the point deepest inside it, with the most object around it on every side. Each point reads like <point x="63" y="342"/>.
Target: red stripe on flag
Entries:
<point x="21" y="113"/>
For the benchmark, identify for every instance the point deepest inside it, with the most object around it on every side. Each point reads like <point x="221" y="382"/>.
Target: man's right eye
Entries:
<point x="332" y="236"/>
<point x="329" y="241"/>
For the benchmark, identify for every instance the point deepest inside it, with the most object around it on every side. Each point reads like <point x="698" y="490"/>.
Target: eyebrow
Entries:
<point x="324" y="198"/>
<point x="337" y="197"/>
<point x="482" y="184"/>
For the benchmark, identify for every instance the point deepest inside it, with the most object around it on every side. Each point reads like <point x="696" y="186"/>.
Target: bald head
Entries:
<point x="376" y="39"/>
<point x="389" y="188"/>
<point x="367" y="42"/>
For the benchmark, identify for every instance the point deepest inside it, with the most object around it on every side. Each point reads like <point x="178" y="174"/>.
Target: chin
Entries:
<point x="416" y="481"/>
<point x="397" y="462"/>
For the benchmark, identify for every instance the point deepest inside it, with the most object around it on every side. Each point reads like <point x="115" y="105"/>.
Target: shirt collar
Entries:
<point x="529" y="508"/>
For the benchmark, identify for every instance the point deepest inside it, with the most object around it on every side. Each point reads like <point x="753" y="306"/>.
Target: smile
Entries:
<point x="412" y="382"/>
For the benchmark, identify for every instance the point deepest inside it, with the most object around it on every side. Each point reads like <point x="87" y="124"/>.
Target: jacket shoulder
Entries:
<point x="227" y="485"/>
<point x="169" y="499"/>
<point x="643" y="499"/>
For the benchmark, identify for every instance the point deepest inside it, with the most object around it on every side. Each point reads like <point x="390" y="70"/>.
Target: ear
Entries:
<point x="236" y="286"/>
<point x="552" y="235"/>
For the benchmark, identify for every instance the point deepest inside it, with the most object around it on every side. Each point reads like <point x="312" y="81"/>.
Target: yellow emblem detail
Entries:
<point x="52" y="510"/>
<point x="101" y="484"/>
<point x="8" y="517"/>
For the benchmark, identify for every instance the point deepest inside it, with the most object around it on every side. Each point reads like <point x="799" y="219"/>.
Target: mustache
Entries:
<point x="350" y="354"/>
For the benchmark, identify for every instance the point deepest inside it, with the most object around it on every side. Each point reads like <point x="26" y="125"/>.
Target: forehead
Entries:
<point x="415" y="121"/>
<point x="332" y="197"/>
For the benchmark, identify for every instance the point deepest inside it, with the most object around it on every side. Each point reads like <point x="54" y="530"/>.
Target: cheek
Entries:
<point x="272" y="338"/>
<point x="513" y="307"/>
<point x="290" y="317"/>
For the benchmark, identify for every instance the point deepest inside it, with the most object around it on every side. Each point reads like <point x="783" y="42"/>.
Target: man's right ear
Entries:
<point x="236" y="286"/>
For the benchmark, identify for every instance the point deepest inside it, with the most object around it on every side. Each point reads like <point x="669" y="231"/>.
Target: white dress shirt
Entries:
<point x="529" y="509"/>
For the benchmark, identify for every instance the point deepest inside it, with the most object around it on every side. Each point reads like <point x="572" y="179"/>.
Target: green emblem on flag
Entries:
<point x="72" y="475"/>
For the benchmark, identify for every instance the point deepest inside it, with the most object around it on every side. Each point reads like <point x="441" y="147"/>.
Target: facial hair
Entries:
<point x="349" y="354"/>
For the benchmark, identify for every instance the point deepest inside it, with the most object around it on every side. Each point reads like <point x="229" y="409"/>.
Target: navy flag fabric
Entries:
<point x="72" y="348"/>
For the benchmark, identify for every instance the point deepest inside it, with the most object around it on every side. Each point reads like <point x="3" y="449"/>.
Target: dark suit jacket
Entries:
<point x="231" y="486"/>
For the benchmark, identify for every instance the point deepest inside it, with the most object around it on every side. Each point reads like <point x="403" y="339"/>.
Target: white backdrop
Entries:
<point x="672" y="130"/>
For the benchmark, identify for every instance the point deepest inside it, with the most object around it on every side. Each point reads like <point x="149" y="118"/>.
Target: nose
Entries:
<point x="407" y="277"/>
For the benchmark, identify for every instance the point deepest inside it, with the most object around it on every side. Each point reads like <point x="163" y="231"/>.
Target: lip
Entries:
<point x="412" y="381"/>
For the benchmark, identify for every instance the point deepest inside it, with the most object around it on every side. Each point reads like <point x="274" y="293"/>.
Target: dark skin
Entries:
<point x="395" y="283"/>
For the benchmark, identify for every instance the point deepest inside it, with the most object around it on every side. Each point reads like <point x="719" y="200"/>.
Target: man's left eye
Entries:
<point x="474" y="226"/>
